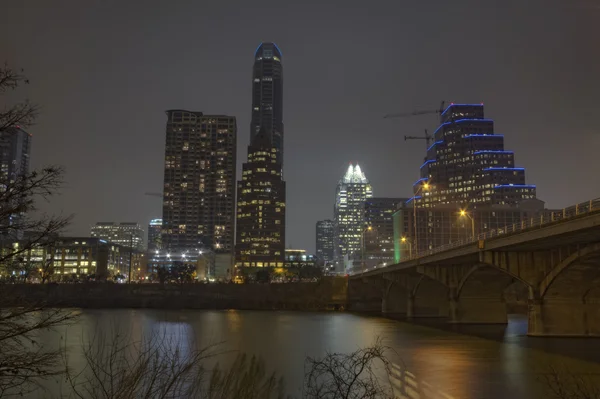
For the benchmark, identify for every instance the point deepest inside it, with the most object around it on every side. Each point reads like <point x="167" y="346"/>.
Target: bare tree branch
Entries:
<point x="21" y="114"/>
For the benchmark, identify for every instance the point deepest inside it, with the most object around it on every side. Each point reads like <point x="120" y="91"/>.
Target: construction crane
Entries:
<point x="426" y="136"/>
<point x="417" y="113"/>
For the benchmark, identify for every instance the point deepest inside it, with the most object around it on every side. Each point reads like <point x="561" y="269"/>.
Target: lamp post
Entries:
<point x="362" y="256"/>
<point x="404" y="240"/>
<point x="424" y="186"/>
<point x="464" y="213"/>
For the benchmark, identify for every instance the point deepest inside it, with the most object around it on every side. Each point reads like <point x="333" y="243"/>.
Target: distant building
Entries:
<point x="444" y="224"/>
<point x="297" y="258"/>
<point x="15" y="147"/>
<point x="154" y="234"/>
<point x="267" y="96"/>
<point x="466" y="168"/>
<point x="379" y="240"/>
<point x="260" y="231"/>
<point x="81" y="258"/>
<point x="199" y="187"/>
<point x="352" y="192"/>
<point x="325" y="230"/>
<point x="199" y="183"/>
<point x="468" y="165"/>
<point x="125" y="234"/>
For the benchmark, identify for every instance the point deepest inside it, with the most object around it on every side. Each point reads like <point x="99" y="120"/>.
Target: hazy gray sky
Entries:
<point x="105" y="71"/>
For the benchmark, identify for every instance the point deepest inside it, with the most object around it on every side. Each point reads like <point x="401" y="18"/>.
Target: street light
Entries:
<point x="362" y="256"/>
<point x="424" y="186"/>
<point x="464" y="213"/>
<point x="405" y="240"/>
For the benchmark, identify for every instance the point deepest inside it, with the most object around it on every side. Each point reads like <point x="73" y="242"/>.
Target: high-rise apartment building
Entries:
<point x="154" y="234"/>
<point x="467" y="163"/>
<point x="352" y="192"/>
<point x="379" y="240"/>
<point x="325" y="230"/>
<point x="267" y="96"/>
<point x="260" y="230"/>
<point x="199" y="183"/>
<point x="129" y="235"/>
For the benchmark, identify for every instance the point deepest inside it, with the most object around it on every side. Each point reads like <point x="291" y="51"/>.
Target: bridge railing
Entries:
<point x="546" y="218"/>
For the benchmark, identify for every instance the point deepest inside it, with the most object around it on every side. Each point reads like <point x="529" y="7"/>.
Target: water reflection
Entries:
<point x="479" y="362"/>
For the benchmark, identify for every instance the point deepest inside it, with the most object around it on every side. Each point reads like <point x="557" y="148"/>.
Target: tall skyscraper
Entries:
<point x="352" y="192"/>
<point x="129" y="235"/>
<point x="260" y="231"/>
<point x="379" y="241"/>
<point x="267" y="96"/>
<point x="466" y="168"/>
<point x="325" y="229"/>
<point x="467" y="163"/>
<point x="199" y="183"/>
<point x="15" y="146"/>
<point x="154" y="234"/>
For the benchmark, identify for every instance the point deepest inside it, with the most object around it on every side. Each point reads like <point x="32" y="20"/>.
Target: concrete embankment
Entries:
<point x="328" y="294"/>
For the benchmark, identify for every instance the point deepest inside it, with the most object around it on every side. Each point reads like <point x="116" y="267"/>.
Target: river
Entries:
<point x="472" y="362"/>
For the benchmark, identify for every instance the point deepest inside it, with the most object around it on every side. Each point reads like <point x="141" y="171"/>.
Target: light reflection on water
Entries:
<point x="465" y="362"/>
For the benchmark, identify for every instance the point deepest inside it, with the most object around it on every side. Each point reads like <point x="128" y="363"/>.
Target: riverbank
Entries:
<point x="328" y="294"/>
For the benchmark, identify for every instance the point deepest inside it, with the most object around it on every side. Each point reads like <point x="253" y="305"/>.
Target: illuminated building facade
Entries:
<point x="267" y="96"/>
<point x="351" y="193"/>
<point x="15" y="147"/>
<point x="260" y="229"/>
<point x="325" y="232"/>
<point x="154" y="234"/>
<point x="260" y="232"/>
<point x="468" y="165"/>
<point x="84" y="258"/>
<point x="297" y="258"/>
<point x="124" y="234"/>
<point x="199" y="184"/>
<point x="466" y="168"/>
<point x="379" y="240"/>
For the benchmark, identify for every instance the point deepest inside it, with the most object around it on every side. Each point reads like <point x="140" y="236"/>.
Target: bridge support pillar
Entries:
<point x="566" y="317"/>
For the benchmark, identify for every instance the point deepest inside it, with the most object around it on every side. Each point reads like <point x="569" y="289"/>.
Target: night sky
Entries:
<point x="105" y="71"/>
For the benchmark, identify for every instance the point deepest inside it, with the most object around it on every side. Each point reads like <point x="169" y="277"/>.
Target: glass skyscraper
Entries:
<point x="325" y="230"/>
<point x="468" y="165"/>
<point x="351" y="193"/>
<point x="267" y="96"/>
<point x="260" y="231"/>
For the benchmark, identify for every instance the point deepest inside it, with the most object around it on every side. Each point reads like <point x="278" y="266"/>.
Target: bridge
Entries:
<point x="555" y="258"/>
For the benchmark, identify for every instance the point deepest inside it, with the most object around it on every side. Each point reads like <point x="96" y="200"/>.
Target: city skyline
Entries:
<point x="328" y="105"/>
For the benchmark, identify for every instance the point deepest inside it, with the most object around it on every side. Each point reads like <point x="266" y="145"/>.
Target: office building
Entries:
<point x="83" y="258"/>
<point x="125" y="234"/>
<point x="15" y="147"/>
<point x="467" y="164"/>
<point x="445" y="224"/>
<point x="260" y="231"/>
<point x="325" y="230"/>
<point x="351" y="193"/>
<point x="466" y="168"/>
<point x="199" y="184"/>
<point x="267" y="96"/>
<point x="379" y="237"/>
<point x="298" y="258"/>
<point x="154" y="235"/>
